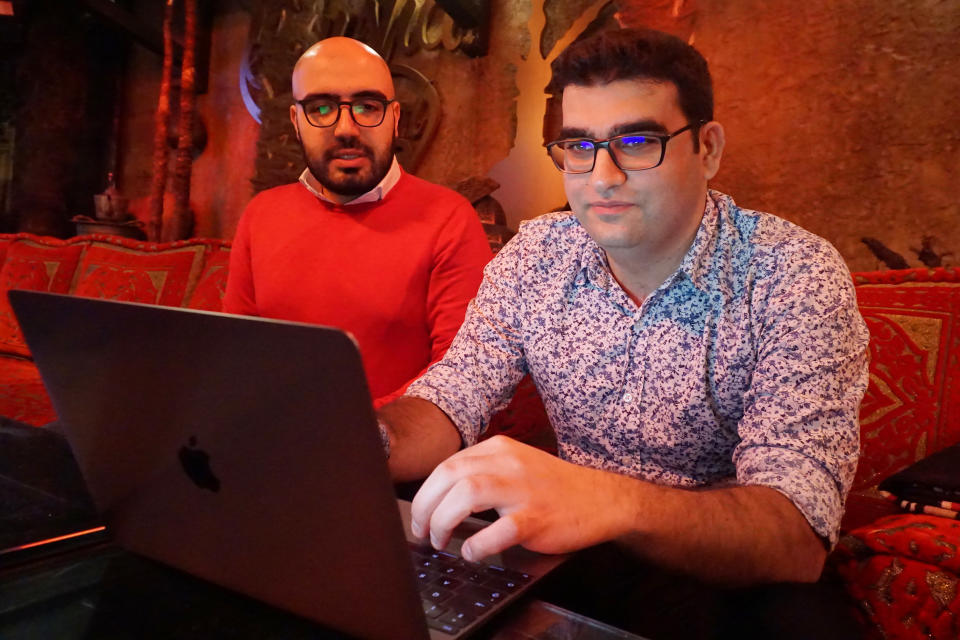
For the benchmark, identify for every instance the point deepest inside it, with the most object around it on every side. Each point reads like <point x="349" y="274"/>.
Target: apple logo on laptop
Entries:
<point x="196" y="463"/>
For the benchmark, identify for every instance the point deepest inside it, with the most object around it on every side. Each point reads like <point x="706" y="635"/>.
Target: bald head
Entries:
<point x="343" y="66"/>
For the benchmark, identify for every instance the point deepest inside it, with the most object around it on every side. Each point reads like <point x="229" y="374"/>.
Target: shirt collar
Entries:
<point x="697" y="262"/>
<point x="376" y="194"/>
<point x="594" y="268"/>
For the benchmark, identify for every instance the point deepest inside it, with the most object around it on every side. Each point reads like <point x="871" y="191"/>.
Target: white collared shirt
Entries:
<point x="374" y="195"/>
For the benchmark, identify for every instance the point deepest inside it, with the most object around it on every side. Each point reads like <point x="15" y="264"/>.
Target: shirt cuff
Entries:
<point x="454" y="411"/>
<point x="801" y="479"/>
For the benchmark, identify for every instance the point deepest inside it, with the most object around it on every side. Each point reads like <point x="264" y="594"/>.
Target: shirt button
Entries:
<point x="628" y="397"/>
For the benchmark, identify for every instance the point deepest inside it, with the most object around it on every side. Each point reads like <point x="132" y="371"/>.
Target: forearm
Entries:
<point x="736" y="535"/>
<point x="421" y="437"/>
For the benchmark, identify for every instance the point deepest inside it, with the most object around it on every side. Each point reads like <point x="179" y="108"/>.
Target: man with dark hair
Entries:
<point x="358" y="243"/>
<point x="701" y="364"/>
<point x="620" y="55"/>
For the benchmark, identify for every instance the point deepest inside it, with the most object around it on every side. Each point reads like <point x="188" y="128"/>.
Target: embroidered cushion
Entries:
<point x="120" y="273"/>
<point x="208" y="293"/>
<point x="46" y="264"/>
<point x="912" y="404"/>
<point x="904" y="571"/>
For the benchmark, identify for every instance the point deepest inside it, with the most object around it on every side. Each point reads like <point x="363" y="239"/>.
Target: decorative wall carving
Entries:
<point x="420" y="109"/>
<point x="281" y="32"/>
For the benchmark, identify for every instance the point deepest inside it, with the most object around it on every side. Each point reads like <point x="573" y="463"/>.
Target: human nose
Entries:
<point x="606" y="173"/>
<point x="345" y="124"/>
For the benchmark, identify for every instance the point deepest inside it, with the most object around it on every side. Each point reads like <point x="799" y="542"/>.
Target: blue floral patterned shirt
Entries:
<point x="746" y="366"/>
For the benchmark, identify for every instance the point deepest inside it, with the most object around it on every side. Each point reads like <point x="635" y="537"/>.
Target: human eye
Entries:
<point x="578" y="148"/>
<point x="320" y="107"/>
<point x="637" y="143"/>
<point x="366" y="107"/>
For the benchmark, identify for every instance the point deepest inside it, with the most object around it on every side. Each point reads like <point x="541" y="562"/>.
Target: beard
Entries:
<point x="350" y="181"/>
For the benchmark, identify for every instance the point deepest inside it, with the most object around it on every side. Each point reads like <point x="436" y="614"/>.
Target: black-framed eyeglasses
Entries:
<point x="629" y="151"/>
<point x="324" y="112"/>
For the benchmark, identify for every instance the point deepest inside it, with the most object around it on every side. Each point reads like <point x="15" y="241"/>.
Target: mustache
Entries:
<point x="347" y="142"/>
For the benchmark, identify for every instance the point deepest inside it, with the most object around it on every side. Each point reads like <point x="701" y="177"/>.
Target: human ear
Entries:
<point x="293" y="119"/>
<point x="396" y="118"/>
<point x="712" y="140"/>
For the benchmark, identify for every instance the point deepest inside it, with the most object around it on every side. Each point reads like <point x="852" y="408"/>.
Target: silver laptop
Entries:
<point x="245" y="451"/>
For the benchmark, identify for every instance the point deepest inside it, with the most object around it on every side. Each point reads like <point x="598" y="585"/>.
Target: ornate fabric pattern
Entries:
<point x="904" y="571"/>
<point x="208" y="294"/>
<point x="748" y="362"/>
<point x="43" y="265"/>
<point x="912" y="402"/>
<point x="117" y="273"/>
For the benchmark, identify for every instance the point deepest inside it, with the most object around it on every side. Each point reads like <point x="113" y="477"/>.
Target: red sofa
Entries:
<point x="911" y="408"/>
<point x="188" y="273"/>
<point x="912" y="405"/>
<point x="903" y="569"/>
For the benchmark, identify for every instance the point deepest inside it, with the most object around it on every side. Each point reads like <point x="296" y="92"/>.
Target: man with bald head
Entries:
<point x="341" y="171"/>
<point x="358" y="243"/>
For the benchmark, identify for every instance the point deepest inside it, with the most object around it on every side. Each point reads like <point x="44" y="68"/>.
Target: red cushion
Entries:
<point x="22" y="394"/>
<point x="912" y="405"/>
<point x="43" y="265"/>
<point x="208" y="293"/>
<point x="904" y="570"/>
<point x="119" y="273"/>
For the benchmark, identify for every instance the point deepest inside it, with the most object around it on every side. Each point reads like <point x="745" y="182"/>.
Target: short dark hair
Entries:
<point x="638" y="54"/>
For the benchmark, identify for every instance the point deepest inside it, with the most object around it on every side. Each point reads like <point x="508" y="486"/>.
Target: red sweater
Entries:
<point x="397" y="274"/>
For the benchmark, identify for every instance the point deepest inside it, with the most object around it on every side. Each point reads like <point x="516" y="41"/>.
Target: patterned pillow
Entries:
<point x="47" y="265"/>
<point x="912" y="402"/>
<point x="117" y="273"/>
<point x="208" y="293"/>
<point x="904" y="572"/>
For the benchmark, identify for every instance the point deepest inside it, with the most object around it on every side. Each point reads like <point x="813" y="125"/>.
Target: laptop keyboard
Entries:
<point x="455" y="593"/>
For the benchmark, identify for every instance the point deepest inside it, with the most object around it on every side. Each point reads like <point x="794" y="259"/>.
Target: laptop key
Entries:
<point x="478" y="592"/>
<point x="453" y="570"/>
<point x="461" y="618"/>
<point x="476" y="606"/>
<point x="436" y="595"/>
<point x="477" y="577"/>
<point x="506" y="574"/>
<point x="447" y="583"/>
<point x="502" y="584"/>
<point x="433" y="610"/>
<point x="446" y="627"/>
<point x="429" y="553"/>
<point x="425" y="576"/>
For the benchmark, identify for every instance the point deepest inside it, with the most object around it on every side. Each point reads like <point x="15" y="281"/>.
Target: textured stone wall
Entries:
<point x="478" y="95"/>
<point x="842" y="116"/>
